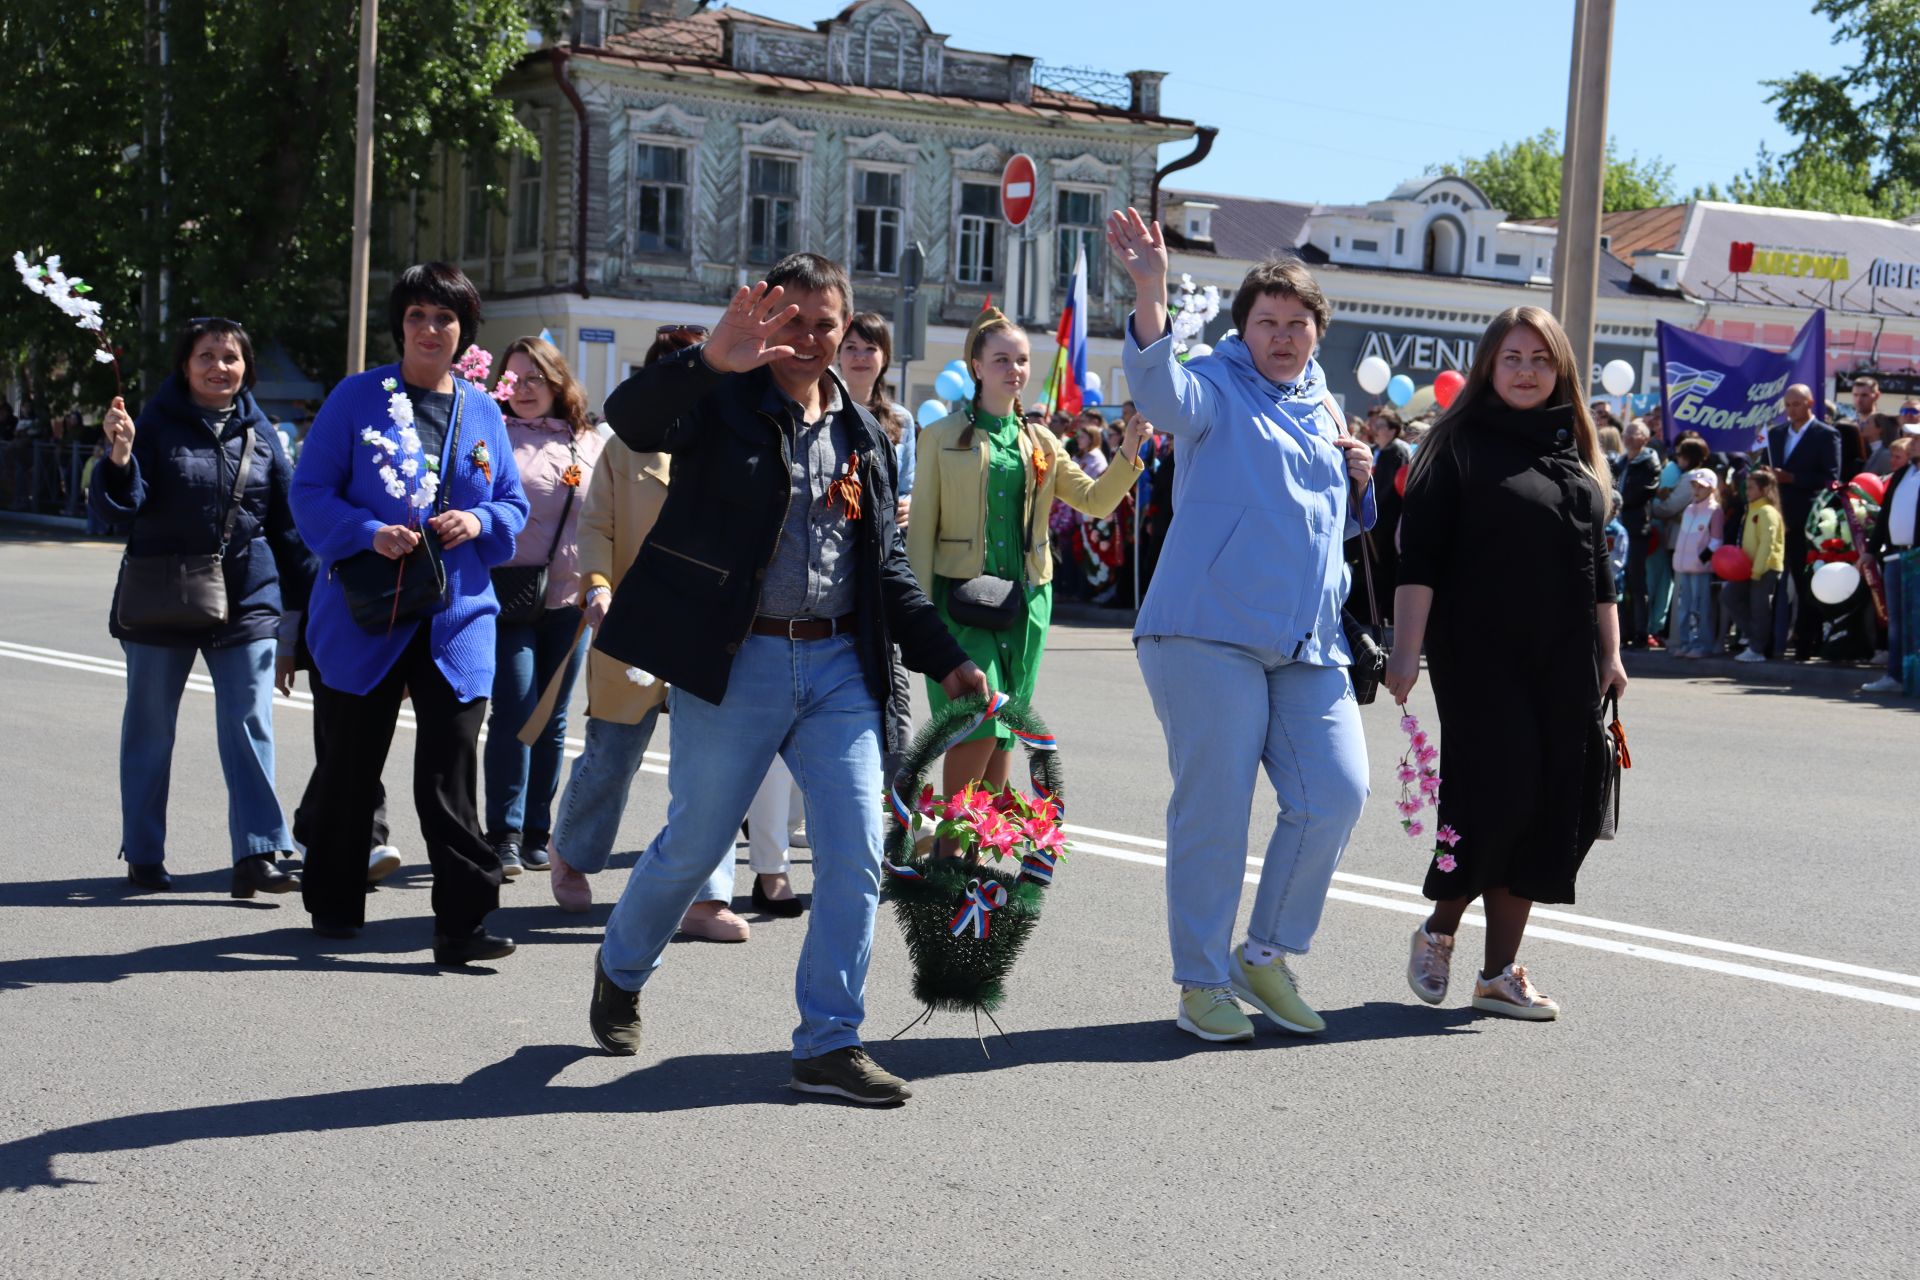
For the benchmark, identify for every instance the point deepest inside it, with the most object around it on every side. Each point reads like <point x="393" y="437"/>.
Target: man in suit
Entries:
<point x="1805" y="454"/>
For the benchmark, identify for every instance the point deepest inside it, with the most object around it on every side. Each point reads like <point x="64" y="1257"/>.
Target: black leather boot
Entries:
<point x="151" y="876"/>
<point x="260" y="874"/>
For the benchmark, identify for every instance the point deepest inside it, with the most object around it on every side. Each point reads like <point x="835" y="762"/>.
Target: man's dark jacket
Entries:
<point x="1637" y="481"/>
<point x="1814" y="464"/>
<point x="687" y="604"/>
<point x="1880" y="533"/>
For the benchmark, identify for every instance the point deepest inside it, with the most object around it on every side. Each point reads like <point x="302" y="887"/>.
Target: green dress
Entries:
<point x="1011" y="658"/>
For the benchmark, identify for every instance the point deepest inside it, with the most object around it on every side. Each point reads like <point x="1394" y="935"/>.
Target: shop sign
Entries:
<point x="1746" y="258"/>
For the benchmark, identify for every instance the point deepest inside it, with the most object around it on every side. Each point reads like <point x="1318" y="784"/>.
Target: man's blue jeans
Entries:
<point x="521" y="780"/>
<point x="243" y="728"/>
<point x="807" y="700"/>
<point x="1229" y="711"/>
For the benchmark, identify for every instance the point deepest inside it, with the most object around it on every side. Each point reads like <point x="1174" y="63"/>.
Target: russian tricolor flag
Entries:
<point x="1070" y="361"/>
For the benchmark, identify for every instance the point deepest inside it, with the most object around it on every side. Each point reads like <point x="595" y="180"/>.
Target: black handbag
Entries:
<point x="382" y="593"/>
<point x="987" y="602"/>
<point x="522" y="588"/>
<point x="183" y="592"/>
<point x="1617" y="758"/>
<point x="1369" y="667"/>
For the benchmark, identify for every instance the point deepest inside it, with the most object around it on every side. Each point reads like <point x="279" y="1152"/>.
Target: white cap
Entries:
<point x="1700" y="475"/>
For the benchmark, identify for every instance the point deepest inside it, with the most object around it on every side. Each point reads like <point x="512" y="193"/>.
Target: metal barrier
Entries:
<point x="43" y="476"/>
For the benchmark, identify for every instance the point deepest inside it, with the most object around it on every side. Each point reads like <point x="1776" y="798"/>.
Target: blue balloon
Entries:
<point x="1399" y="390"/>
<point x="949" y="385"/>
<point x="1090" y="396"/>
<point x="930" y="412"/>
<point x="958" y="366"/>
<point x="966" y="387"/>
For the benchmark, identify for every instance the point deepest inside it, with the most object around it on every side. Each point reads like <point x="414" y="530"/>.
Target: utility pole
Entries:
<point x="1576" y="254"/>
<point x="362" y="193"/>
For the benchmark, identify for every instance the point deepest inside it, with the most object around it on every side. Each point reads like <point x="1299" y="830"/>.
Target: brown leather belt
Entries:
<point x="802" y="628"/>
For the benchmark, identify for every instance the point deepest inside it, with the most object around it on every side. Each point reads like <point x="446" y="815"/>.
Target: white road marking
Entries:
<point x="656" y="764"/>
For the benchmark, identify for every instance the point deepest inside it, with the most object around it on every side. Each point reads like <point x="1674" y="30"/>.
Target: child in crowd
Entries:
<point x="1616" y="544"/>
<point x="1763" y="536"/>
<point x="1693" y="547"/>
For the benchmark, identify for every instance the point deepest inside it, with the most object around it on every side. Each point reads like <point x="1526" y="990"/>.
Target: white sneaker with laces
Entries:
<point x="1428" y="966"/>
<point x="1748" y="655"/>
<point x="1510" y="993"/>
<point x="1885" y="684"/>
<point x="382" y="861"/>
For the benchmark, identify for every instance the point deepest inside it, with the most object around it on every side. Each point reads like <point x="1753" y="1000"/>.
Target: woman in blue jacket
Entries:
<point x="172" y="475"/>
<point x="396" y="455"/>
<point x="1239" y="637"/>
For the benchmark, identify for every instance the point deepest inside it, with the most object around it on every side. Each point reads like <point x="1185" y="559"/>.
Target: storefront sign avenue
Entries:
<point x="1412" y="353"/>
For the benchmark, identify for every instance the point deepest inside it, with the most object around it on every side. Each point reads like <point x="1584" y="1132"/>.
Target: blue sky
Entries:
<point x="1338" y="101"/>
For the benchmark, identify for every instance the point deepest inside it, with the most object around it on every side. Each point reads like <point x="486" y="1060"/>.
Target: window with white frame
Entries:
<point x="529" y="190"/>
<point x="473" y="236"/>
<point x="979" y="233"/>
<point x="773" y="207"/>
<point x="1077" y="224"/>
<point x="878" y="213"/>
<point x="660" y="199"/>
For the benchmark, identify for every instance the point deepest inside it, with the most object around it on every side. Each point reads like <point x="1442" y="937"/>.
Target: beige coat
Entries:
<point x="946" y="536"/>
<point x="623" y="501"/>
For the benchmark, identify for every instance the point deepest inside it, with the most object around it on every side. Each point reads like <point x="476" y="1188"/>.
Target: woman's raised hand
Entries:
<point x="1140" y="247"/>
<point x="1135" y="431"/>
<point x="118" y="425"/>
<point x="741" y="340"/>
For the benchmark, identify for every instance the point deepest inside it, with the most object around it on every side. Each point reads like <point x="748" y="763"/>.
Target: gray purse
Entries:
<point x="182" y="592"/>
<point x="987" y="602"/>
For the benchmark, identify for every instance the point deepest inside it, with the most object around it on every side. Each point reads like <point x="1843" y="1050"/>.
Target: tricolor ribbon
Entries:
<point x="1038" y="865"/>
<point x="905" y="872"/>
<point x="982" y="901"/>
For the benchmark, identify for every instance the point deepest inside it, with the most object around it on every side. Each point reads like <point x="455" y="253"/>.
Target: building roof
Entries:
<point x="696" y="45"/>
<point x="1244" y="228"/>
<point x="1630" y="230"/>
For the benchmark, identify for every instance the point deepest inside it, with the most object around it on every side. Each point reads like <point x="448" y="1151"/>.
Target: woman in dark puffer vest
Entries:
<point x="172" y="476"/>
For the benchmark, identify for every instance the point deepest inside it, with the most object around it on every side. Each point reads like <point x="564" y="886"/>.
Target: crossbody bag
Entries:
<point x="522" y="588"/>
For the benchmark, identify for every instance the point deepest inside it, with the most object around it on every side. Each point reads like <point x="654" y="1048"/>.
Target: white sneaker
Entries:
<point x="1510" y="993"/>
<point x="1748" y="655"/>
<point x="1885" y="684"/>
<point x="382" y="862"/>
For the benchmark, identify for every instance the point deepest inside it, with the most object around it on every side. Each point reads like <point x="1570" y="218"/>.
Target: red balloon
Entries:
<point x="1731" y="564"/>
<point x="1400" y="479"/>
<point x="1446" y="387"/>
<point x="1870" y="486"/>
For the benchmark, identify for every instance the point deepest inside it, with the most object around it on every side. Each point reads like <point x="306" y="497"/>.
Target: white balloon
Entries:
<point x="1835" y="582"/>
<point x="1617" y="377"/>
<point x="1197" y="350"/>
<point x="1093" y="381"/>
<point x="1373" y="375"/>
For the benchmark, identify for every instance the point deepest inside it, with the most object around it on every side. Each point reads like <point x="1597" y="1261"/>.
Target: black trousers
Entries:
<point x="306" y="818"/>
<point x="1634" y="625"/>
<point x="359" y="730"/>
<point x="1806" y="614"/>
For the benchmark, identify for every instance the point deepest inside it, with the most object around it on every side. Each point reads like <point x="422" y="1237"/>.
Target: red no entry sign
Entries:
<point x="1016" y="190"/>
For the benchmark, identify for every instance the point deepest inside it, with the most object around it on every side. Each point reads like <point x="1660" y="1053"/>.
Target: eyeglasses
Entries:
<point x="534" y="381"/>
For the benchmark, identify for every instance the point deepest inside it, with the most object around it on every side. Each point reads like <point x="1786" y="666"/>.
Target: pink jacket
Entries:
<point x="540" y="452"/>
<point x="1700" y="528"/>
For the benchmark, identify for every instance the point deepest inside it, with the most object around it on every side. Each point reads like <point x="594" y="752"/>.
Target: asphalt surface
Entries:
<point x="199" y="1087"/>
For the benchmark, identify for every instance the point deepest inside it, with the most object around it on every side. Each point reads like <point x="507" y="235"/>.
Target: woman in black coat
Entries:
<point x="173" y="476"/>
<point x="1504" y="574"/>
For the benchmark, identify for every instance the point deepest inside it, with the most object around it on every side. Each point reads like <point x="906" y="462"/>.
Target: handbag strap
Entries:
<point x="453" y="449"/>
<point x="1366" y="536"/>
<point x="239" y="490"/>
<point x="566" y="508"/>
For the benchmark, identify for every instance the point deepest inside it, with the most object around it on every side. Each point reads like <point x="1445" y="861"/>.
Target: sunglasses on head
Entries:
<point x="682" y="335"/>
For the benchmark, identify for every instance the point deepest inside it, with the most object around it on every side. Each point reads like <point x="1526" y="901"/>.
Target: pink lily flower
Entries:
<point x="1445" y="862"/>
<point x="1449" y="837"/>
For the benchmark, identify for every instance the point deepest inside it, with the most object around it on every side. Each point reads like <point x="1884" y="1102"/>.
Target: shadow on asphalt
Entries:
<point x="522" y="1085"/>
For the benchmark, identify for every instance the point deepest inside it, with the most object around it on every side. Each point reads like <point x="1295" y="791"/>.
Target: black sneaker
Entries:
<point x="613" y="1014"/>
<point x="849" y="1073"/>
<point x="534" y="856"/>
<point x="508" y="851"/>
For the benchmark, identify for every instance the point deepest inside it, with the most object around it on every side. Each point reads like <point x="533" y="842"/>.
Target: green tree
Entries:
<point x="1854" y="130"/>
<point x="227" y="172"/>
<point x="1524" y="177"/>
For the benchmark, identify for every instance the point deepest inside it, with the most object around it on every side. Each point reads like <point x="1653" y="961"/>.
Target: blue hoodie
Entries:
<point x="1254" y="554"/>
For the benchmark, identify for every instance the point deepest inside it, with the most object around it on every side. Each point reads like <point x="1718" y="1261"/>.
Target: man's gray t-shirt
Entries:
<point x="812" y="574"/>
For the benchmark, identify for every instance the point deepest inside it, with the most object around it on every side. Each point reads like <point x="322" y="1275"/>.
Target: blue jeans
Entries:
<point x="808" y="701"/>
<point x="1228" y="711"/>
<point x="243" y="727"/>
<point x="1693" y="630"/>
<point x="596" y="797"/>
<point x="521" y="780"/>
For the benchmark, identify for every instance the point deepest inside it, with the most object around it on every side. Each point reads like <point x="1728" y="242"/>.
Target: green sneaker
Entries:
<point x="613" y="1015"/>
<point x="849" y="1073"/>
<point x="1211" y="1014"/>
<point x="1271" y="989"/>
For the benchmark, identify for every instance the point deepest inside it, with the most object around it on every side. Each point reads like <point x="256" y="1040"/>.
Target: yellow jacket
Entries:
<point x="946" y="534"/>
<point x="623" y="500"/>
<point x="1764" y="538"/>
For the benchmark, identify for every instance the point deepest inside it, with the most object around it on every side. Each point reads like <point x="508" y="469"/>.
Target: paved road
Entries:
<point x="198" y="1087"/>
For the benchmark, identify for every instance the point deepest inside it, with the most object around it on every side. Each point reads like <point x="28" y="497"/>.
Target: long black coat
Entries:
<point x="176" y="490"/>
<point x="685" y="607"/>
<point x="1508" y="529"/>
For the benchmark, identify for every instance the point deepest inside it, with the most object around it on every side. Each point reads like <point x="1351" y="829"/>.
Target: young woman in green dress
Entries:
<point x="984" y="484"/>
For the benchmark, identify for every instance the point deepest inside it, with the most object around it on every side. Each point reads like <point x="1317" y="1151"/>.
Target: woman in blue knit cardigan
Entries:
<point x="371" y="474"/>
